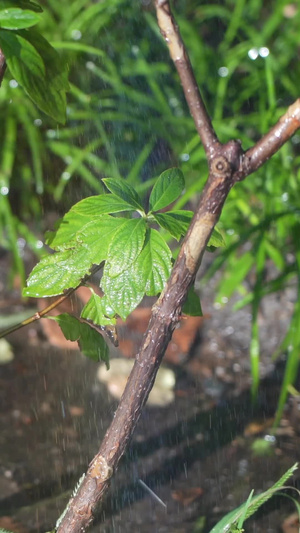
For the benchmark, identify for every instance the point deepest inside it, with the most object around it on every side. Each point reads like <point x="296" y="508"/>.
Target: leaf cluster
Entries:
<point x="33" y="62"/>
<point x="135" y="257"/>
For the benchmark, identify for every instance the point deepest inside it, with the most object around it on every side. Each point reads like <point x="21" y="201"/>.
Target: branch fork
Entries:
<point x="228" y="164"/>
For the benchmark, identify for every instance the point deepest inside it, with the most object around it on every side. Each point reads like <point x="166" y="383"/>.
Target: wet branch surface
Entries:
<point x="227" y="164"/>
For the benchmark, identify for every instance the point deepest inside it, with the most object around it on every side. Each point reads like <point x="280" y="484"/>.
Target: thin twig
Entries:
<point x="178" y="53"/>
<point x="49" y="308"/>
<point x="270" y="143"/>
<point x="38" y="314"/>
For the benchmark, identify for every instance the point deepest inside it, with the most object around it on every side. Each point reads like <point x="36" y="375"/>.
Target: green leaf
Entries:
<point x="156" y="261"/>
<point x="147" y="274"/>
<point x="14" y="18"/>
<point x="91" y="343"/>
<point x="82" y="214"/>
<point x="168" y="187"/>
<point x="66" y="229"/>
<point x="23" y="59"/>
<point x="175" y="222"/>
<point x="37" y="67"/>
<point x="123" y="293"/>
<point x="95" y="309"/>
<point x="56" y="68"/>
<point x="102" y="204"/>
<point x="224" y="525"/>
<point x="57" y="272"/>
<point x="216" y="240"/>
<point x="97" y="236"/>
<point x="192" y="305"/>
<point x="126" y="244"/>
<point x="95" y="232"/>
<point x="126" y="192"/>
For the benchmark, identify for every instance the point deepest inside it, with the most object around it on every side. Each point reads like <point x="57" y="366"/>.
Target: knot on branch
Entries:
<point x="220" y="167"/>
<point x="99" y="469"/>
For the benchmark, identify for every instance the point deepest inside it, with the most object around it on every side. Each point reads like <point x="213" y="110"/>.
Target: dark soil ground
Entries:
<point x="200" y="454"/>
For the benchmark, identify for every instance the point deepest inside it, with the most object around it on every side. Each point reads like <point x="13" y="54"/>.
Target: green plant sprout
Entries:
<point x="233" y="522"/>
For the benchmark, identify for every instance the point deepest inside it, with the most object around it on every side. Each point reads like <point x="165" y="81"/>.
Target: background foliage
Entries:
<point x="127" y="118"/>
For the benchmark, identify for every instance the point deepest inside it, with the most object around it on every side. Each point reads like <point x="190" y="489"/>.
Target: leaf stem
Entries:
<point x="56" y="303"/>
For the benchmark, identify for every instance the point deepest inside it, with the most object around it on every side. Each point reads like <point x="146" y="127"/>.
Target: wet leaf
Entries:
<point x="38" y="68"/>
<point x="102" y="204"/>
<point x="75" y="229"/>
<point x="126" y="244"/>
<point x="57" y="272"/>
<point x="249" y="507"/>
<point x="91" y="342"/>
<point x="167" y="188"/>
<point x="95" y="309"/>
<point x="175" y="222"/>
<point x="126" y="192"/>
<point x="147" y="274"/>
<point x="124" y="292"/>
<point x="14" y="18"/>
<point x="156" y="261"/>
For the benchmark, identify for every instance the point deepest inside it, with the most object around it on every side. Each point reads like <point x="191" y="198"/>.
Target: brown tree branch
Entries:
<point x="227" y="164"/>
<point x="2" y="66"/>
<point x="270" y="143"/>
<point x="165" y="315"/>
<point x="179" y="55"/>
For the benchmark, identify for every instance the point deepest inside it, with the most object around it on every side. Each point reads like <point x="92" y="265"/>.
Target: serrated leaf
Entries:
<point x="102" y="204"/>
<point x="192" y="305"/>
<point x="216" y="239"/>
<point x="66" y="229"/>
<point x="224" y="525"/>
<point x="156" y="261"/>
<point x="95" y="309"/>
<point x="175" y="222"/>
<point x="98" y="234"/>
<point x="123" y="293"/>
<point x="148" y="272"/>
<point x="57" y="272"/>
<point x="37" y="67"/>
<point x="23" y="4"/>
<point x="125" y="191"/>
<point x="95" y="232"/>
<point x="126" y="244"/>
<point x="91" y="343"/>
<point x="168" y="187"/>
<point x="14" y="18"/>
